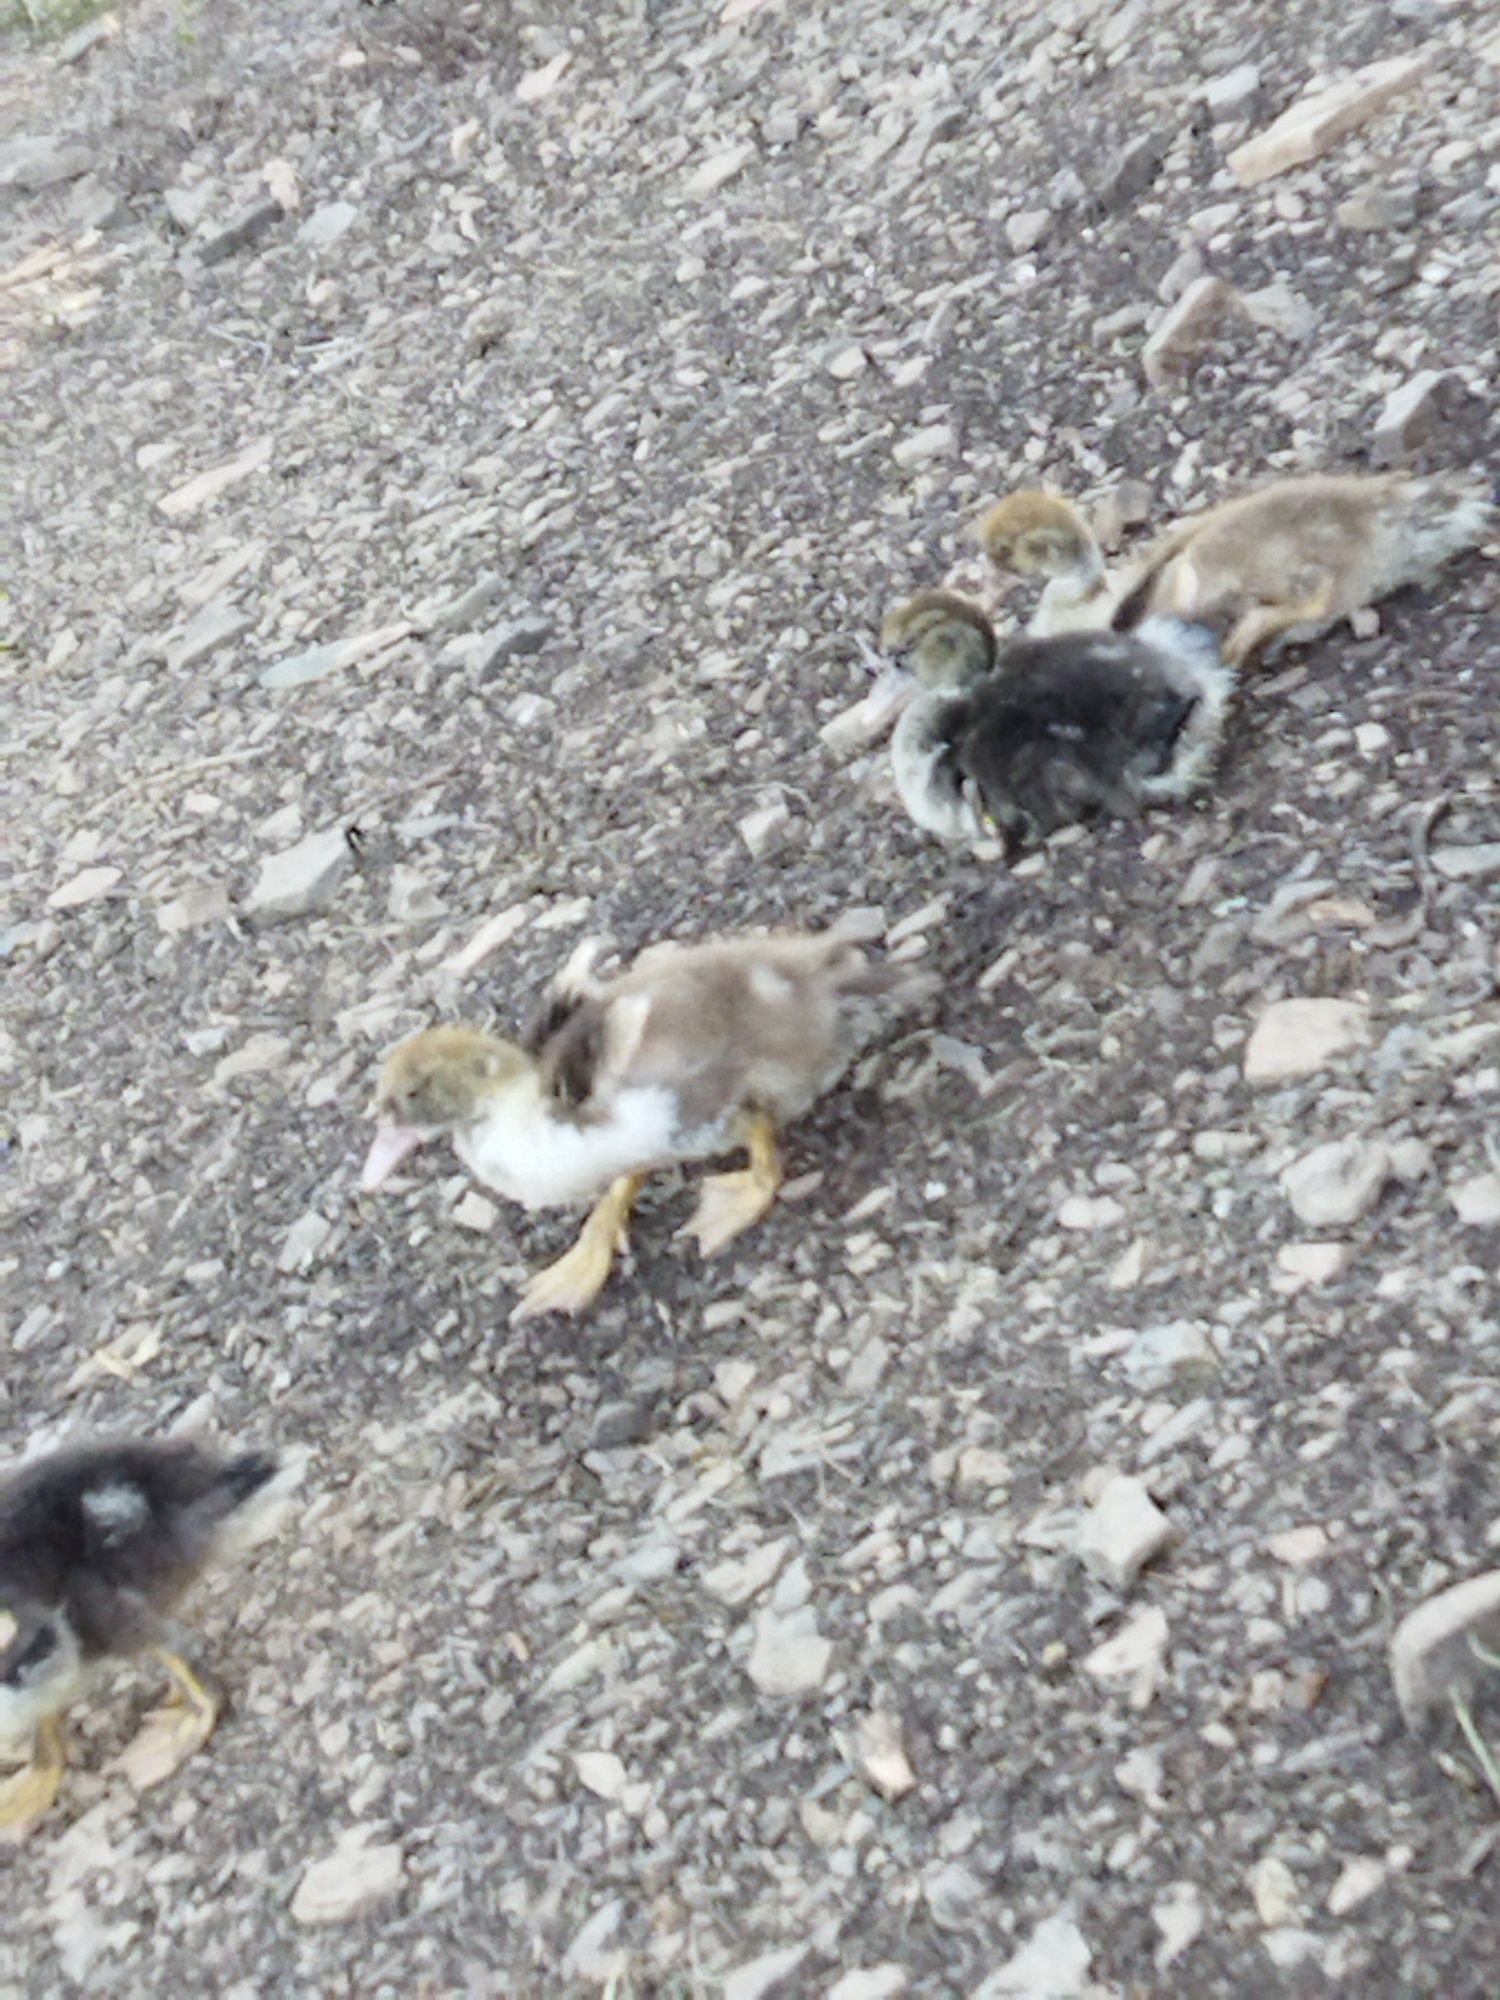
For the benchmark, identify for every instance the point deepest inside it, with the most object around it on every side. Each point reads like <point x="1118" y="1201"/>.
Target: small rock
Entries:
<point x="1280" y="309"/>
<point x="327" y="224"/>
<point x="1138" y="1649"/>
<point x="477" y="1212"/>
<point x="1234" y="94"/>
<point x="590" y="1956"/>
<point x="1476" y="1202"/>
<point x="1168" y="1356"/>
<point x="314" y="663"/>
<point x="1025" y="229"/>
<point x="515" y="639"/>
<point x="756" y="1978"/>
<point x="218" y="624"/>
<point x="1122" y="1532"/>
<point x="601" y="1772"/>
<point x="237" y="234"/>
<point x="1307" y="129"/>
<point x="1335" y="1184"/>
<point x="540" y="83"/>
<point x="358" y="1873"/>
<point x="936" y="441"/>
<point x="1296" y="1547"/>
<point x="206" y="486"/>
<point x="1185" y="328"/>
<point x="880" y="1754"/>
<point x="1378" y="207"/>
<point x="300" y="879"/>
<point x="1086" y="1212"/>
<point x="1294" y="1038"/>
<point x="981" y="1470"/>
<point x="1133" y="170"/>
<point x="871" y="1982"/>
<point x="204" y="903"/>
<point x="950" y="1892"/>
<point x="85" y="888"/>
<point x="1358" y="1880"/>
<point x="304" y="1240"/>
<point x="717" y="170"/>
<point x="1278" y="1900"/>
<point x="411" y="898"/>
<point x="1468" y="864"/>
<point x="845" y="359"/>
<point x="35" y="161"/>
<point x="765" y="829"/>
<point x="1053" y="1964"/>
<point x="1411" y="414"/>
<point x="1179" y="1916"/>
<point x="1312" y="1263"/>
<point x="739" y="1578"/>
<point x="789" y="1656"/>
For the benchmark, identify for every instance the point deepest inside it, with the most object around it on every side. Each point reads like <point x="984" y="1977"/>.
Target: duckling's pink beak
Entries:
<point x="390" y="1146"/>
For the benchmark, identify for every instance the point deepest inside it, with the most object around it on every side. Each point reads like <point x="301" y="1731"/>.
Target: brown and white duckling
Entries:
<point x="97" y="1545"/>
<point x="693" y="1051"/>
<point x="1034" y="533"/>
<point x="1041" y="732"/>
<point x="1281" y="564"/>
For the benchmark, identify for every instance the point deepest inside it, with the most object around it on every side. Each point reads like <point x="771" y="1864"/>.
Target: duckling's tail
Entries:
<point x="1449" y="514"/>
<point x="254" y="1491"/>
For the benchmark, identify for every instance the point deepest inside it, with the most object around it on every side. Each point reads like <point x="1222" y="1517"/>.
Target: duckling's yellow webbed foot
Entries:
<point x="30" y="1793"/>
<point x="580" y="1274"/>
<point x="729" y="1204"/>
<point x="171" y="1734"/>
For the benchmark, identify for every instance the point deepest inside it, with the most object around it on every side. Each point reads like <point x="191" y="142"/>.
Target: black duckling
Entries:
<point x="97" y="1545"/>
<point x="1041" y="732"/>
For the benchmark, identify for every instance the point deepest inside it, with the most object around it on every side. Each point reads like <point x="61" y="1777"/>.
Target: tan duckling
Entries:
<point x="1281" y="564"/>
<point x="1040" y="732"/>
<point x="97" y="1545"/>
<point x="693" y="1051"/>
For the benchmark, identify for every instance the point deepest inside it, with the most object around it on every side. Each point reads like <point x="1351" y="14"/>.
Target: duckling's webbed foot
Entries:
<point x="728" y="1204"/>
<point x="171" y="1734"/>
<point x="32" y="1790"/>
<point x="578" y="1276"/>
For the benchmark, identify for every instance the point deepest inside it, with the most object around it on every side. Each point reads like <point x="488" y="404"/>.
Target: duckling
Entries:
<point x="1281" y="564"/>
<point x="1290" y="561"/>
<point x="97" y="1545"/>
<point x="695" y="1050"/>
<point x="1036" y="533"/>
<point x="1049" y="730"/>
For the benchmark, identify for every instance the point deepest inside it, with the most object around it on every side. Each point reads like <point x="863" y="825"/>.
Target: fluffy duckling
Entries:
<point x="1048" y="730"/>
<point x="695" y="1050"/>
<point x="1284" y="563"/>
<point x="97" y="1545"/>
<point x="1034" y="533"/>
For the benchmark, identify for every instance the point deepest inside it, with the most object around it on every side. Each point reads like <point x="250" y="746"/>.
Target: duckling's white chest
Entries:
<point x="527" y="1152"/>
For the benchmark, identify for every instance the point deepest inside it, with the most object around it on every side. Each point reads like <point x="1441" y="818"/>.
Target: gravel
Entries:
<point x="606" y="373"/>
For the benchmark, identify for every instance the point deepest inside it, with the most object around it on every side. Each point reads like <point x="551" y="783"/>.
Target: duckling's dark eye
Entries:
<point x="40" y="1646"/>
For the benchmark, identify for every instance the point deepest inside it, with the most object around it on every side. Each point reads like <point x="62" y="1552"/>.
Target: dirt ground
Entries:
<point x="583" y="382"/>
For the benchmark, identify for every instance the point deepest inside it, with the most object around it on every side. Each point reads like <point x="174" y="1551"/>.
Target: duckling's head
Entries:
<point x="1039" y="534"/>
<point x="435" y="1082"/>
<point x="946" y="641"/>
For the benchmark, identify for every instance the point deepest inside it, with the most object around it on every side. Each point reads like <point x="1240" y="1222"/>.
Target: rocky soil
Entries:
<point x="461" y="452"/>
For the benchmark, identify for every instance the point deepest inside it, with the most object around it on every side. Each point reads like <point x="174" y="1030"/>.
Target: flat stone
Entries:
<point x="206" y="486"/>
<point x="300" y="879"/>
<point x="1297" y="1037"/>
<point x="358" y="1873"/>
<point x="327" y="224"/>
<point x="1411" y="414"/>
<point x="1280" y="309"/>
<point x="759" y="1976"/>
<point x="1468" y="864"/>
<point x="1476" y="1202"/>
<point x="477" y="1212"/>
<point x="935" y="441"/>
<point x="1053" y="1964"/>
<point x="871" y="1982"/>
<point x="514" y="639"/>
<point x="1307" y="129"/>
<point x="1232" y="94"/>
<point x="880" y="1754"/>
<point x="789" y="1655"/>
<point x="239" y="233"/>
<point x="1122" y="1532"/>
<point x="1303" y="1264"/>
<point x="303" y="1241"/>
<point x="1186" y="328"/>
<point x="1377" y="207"/>
<point x="845" y="359"/>
<point x="717" y="171"/>
<point x="1337" y="1183"/>
<point x="765" y="829"/>
<point x="35" y="161"/>
<point x="85" y="888"/>
<point x="1430" y="1655"/>
<point x="411" y="898"/>
<point x="203" y="903"/>
<point x="315" y="663"/>
<point x="218" y="624"/>
<point x="1167" y="1356"/>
